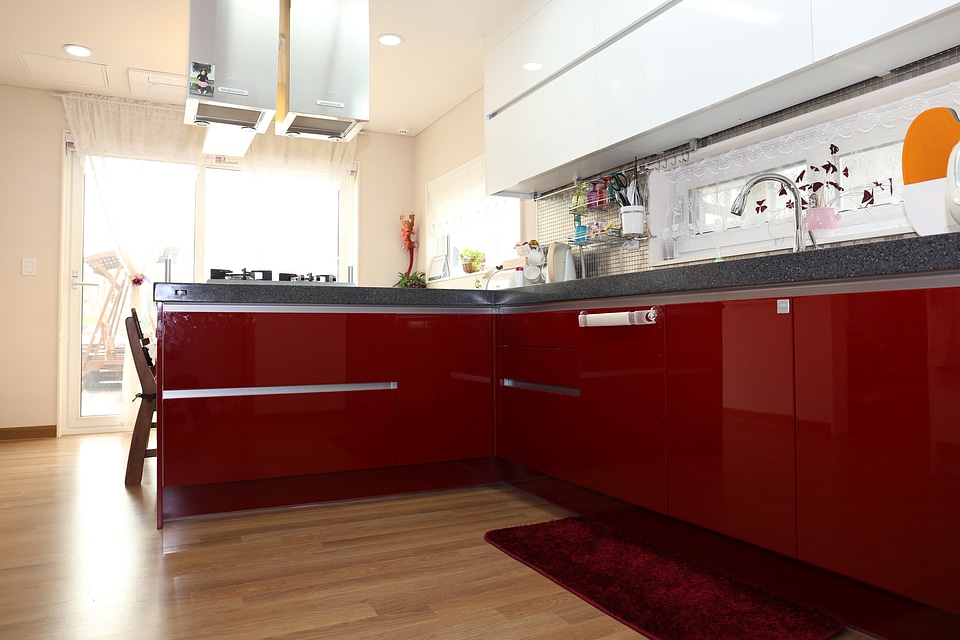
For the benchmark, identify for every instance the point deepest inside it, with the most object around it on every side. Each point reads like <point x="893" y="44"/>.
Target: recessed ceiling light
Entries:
<point x="533" y="66"/>
<point x="78" y="50"/>
<point x="390" y="39"/>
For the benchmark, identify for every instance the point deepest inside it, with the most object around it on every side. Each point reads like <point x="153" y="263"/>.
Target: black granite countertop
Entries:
<point x="922" y="255"/>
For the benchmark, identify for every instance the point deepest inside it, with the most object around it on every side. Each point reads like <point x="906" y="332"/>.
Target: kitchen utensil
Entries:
<point x="632" y="220"/>
<point x="531" y="274"/>
<point x="927" y="148"/>
<point x="535" y="257"/>
<point x="560" y="263"/>
<point x="953" y="184"/>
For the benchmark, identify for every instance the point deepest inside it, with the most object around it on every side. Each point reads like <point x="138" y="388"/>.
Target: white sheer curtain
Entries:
<point x="143" y="133"/>
<point x="458" y="207"/>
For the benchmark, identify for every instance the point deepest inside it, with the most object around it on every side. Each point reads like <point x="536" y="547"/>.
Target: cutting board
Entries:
<point x="926" y="150"/>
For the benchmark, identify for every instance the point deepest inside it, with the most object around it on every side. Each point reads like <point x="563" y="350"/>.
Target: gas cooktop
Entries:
<point x="263" y="276"/>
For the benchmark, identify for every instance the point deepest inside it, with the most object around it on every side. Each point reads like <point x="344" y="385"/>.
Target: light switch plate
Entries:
<point x="28" y="267"/>
<point x="783" y="305"/>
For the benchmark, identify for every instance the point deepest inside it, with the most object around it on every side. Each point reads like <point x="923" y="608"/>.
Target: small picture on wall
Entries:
<point x="201" y="78"/>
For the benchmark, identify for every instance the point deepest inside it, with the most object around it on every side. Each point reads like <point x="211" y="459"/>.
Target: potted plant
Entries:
<point x="472" y="260"/>
<point x="412" y="280"/>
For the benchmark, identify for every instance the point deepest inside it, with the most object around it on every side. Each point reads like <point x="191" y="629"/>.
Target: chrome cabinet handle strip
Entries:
<point x="179" y="394"/>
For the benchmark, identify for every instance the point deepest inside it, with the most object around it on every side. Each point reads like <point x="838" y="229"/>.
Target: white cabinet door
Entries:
<point x="839" y="26"/>
<point x="554" y="36"/>
<point x="612" y="16"/>
<point x="695" y="55"/>
<point x="548" y="128"/>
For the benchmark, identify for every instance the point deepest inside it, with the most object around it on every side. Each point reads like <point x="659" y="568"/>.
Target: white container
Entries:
<point x="632" y="219"/>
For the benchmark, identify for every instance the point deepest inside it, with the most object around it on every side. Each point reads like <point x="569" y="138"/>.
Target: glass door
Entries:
<point x="97" y="284"/>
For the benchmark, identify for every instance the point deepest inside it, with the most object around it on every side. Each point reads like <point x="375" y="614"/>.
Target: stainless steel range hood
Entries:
<point x="327" y="59"/>
<point x="232" y="67"/>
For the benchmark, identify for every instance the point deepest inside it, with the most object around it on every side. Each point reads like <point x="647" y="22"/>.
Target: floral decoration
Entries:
<point x="138" y="279"/>
<point x="407" y="232"/>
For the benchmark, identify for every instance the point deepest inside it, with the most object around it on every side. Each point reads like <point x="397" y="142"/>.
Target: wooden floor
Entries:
<point x="80" y="557"/>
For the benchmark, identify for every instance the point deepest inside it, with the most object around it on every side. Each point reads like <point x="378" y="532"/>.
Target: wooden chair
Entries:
<point x="148" y="401"/>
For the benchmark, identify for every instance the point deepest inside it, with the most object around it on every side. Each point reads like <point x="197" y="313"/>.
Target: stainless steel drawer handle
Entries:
<point x="619" y="319"/>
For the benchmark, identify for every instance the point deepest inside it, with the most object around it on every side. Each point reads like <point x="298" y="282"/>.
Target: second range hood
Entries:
<point x="325" y="90"/>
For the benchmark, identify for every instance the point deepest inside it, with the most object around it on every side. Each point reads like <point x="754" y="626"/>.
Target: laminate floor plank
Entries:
<point x="81" y="558"/>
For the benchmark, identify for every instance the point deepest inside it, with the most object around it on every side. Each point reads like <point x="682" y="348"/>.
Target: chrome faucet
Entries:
<point x="740" y="202"/>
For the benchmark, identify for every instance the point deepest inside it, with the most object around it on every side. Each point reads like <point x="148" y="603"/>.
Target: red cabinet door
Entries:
<point x="878" y="439"/>
<point x="731" y="422"/>
<point x="228" y="439"/>
<point x="527" y="328"/>
<point x="444" y="387"/>
<point x="248" y="395"/>
<point x="538" y="413"/>
<point x="236" y="349"/>
<point x="622" y="434"/>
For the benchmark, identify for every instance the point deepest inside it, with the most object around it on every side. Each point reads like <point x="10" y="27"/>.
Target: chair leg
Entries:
<point x="138" y="442"/>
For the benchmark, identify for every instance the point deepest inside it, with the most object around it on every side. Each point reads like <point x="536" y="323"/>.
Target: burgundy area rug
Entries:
<point x="659" y="594"/>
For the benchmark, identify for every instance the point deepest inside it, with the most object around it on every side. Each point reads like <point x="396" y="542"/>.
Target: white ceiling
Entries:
<point x="438" y="66"/>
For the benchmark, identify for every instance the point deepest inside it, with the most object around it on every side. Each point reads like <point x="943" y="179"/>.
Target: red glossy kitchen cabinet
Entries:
<point x="228" y="439"/>
<point x="538" y="413"/>
<point x="878" y="439"/>
<point x="209" y="349"/>
<point x="445" y="387"/>
<point x="528" y="328"/>
<point x="249" y="395"/>
<point x="538" y="392"/>
<point x="731" y="429"/>
<point x="622" y="433"/>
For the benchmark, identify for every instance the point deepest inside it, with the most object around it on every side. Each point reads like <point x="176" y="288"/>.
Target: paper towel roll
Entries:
<point x="618" y="319"/>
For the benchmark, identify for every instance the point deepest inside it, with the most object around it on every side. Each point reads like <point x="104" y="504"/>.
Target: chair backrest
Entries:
<point x="141" y="357"/>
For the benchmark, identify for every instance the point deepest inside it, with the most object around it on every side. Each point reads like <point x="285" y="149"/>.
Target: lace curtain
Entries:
<point x="104" y="129"/>
<point x="460" y="196"/>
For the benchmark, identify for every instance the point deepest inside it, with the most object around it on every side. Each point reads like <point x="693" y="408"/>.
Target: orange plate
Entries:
<point x="928" y="143"/>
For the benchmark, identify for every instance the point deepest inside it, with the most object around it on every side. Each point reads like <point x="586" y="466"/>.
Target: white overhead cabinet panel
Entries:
<point x="550" y="127"/>
<point x="697" y="54"/>
<point x="554" y="36"/>
<point x="613" y="16"/>
<point x="839" y="26"/>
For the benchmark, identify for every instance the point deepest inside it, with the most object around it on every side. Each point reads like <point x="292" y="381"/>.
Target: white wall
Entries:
<point x="30" y="184"/>
<point x="386" y="192"/>
<point x="451" y="141"/>
<point x="31" y="132"/>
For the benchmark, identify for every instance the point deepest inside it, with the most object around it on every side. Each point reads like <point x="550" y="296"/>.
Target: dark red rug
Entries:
<point x="661" y="595"/>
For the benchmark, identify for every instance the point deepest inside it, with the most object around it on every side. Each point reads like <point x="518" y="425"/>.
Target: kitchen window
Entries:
<point x="460" y="215"/>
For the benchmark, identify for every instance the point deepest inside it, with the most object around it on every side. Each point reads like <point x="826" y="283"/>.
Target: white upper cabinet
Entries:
<point x="554" y="125"/>
<point x="610" y="17"/>
<point x="842" y="25"/>
<point x="554" y="35"/>
<point x="695" y="55"/>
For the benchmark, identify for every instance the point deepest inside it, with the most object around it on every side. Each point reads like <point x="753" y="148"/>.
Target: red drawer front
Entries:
<point x="623" y="440"/>
<point x="209" y="440"/>
<point x="878" y="439"/>
<point x="541" y="365"/>
<point x="222" y="350"/>
<point x="539" y="329"/>
<point x="539" y="430"/>
<point x="445" y="387"/>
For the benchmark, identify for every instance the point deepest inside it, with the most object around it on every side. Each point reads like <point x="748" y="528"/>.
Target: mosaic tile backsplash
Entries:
<point x="555" y="221"/>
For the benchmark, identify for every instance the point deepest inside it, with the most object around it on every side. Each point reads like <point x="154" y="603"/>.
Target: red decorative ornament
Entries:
<point x="407" y="233"/>
<point x="138" y="279"/>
